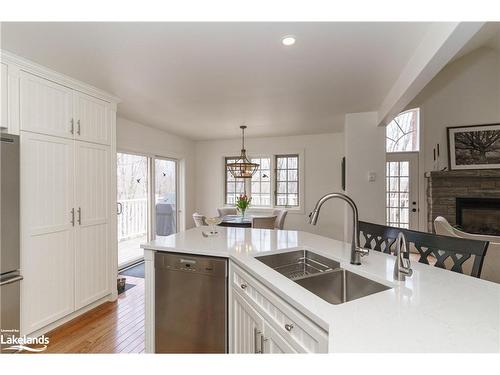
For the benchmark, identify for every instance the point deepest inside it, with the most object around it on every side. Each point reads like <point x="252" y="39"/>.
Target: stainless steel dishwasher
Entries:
<point x="190" y="304"/>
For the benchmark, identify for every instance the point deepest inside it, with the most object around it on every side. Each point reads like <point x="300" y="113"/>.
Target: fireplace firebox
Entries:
<point x="478" y="215"/>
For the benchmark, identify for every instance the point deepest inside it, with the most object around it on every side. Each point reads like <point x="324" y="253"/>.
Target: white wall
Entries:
<point x="465" y="92"/>
<point x="365" y="153"/>
<point x="322" y="154"/>
<point x="134" y="137"/>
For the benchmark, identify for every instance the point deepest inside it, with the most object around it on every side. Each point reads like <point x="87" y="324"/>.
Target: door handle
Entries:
<point x="11" y="280"/>
<point x="119" y="209"/>
<point x="72" y="221"/>
<point x="78" y="127"/>
<point x="72" y="130"/>
<point x="79" y="216"/>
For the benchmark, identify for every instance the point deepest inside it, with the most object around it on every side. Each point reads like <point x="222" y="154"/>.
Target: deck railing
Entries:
<point x="132" y="218"/>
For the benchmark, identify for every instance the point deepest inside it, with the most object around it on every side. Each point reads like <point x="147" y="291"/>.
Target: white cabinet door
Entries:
<point x="3" y="97"/>
<point x="47" y="255"/>
<point x="46" y="107"/>
<point x="92" y="260"/>
<point x="274" y="343"/>
<point x="92" y="123"/>
<point x="246" y="327"/>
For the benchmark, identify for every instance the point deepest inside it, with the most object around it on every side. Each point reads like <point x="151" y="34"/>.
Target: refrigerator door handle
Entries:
<point x="11" y="280"/>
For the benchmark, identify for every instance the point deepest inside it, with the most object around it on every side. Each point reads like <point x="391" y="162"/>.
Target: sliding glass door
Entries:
<point x="145" y="210"/>
<point x="132" y="210"/>
<point x="166" y="207"/>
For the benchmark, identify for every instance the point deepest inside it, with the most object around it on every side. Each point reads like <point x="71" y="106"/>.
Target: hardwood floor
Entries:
<point x="114" y="327"/>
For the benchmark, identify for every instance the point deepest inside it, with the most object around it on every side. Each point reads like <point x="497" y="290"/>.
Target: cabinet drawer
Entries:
<point x="303" y="334"/>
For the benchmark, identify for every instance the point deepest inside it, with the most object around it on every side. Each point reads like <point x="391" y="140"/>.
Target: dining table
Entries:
<point x="237" y="221"/>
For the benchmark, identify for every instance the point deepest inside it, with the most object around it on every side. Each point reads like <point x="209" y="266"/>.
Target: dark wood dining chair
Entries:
<point x="442" y="248"/>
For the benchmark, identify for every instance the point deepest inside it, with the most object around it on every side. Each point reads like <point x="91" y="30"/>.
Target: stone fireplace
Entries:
<point x="478" y="215"/>
<point x="469" y="199"/>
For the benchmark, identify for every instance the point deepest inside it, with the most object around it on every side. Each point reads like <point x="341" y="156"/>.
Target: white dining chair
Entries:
<point x="199" y="220"/>
<point x="280" y="218"/>
<point x="266" y="222"/>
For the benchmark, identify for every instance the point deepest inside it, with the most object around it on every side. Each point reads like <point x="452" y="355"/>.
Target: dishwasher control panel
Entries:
<point x="188" y="263"/>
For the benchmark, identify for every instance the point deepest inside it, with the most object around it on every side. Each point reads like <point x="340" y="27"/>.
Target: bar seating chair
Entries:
<point x="491" y="266"/>
<point x="445" y="252"/>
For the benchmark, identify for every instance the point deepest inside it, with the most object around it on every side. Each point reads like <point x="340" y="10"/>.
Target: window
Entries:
<point x="402" y="133"/>
<point x="398" y="194"/>
<point x="276" y="182"/>
<point x="234" y="186"/>
<point x="402" y="145"/>
<point x="287" y="180"/>
<point x="261" y="183"/>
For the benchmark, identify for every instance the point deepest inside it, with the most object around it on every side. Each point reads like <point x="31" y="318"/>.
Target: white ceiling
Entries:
<point x="202" y="80"/>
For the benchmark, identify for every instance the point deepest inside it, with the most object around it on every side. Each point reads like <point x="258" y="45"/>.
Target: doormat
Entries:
<point x="135" y="271"/>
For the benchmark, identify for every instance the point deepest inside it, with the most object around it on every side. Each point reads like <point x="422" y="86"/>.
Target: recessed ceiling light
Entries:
<point x="288" y="40"/>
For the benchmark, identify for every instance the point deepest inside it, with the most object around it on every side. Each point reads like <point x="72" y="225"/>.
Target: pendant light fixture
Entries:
<point x="242" y="168"/>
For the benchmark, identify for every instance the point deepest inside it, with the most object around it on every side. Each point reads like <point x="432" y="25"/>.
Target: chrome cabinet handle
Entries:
<point x="262" y="341"/>
<point x="119" y="208"/>
<point x="11" y="280"/>
<point x="288" y="327"/>
<point x="72" y="126"/>
<point x="79" y="216"/>
<point x="78" y="128"/>
<point x="243" y="286"/>
<point x="256" y="332"/>
<point x="72" y="221"/>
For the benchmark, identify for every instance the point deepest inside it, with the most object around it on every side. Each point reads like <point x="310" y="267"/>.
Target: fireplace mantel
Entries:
<point x="481" y="173"/>
<point x="444" y="187"/>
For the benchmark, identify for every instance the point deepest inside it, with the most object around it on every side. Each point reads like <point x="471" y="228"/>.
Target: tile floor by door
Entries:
<point x="113" y="327"/>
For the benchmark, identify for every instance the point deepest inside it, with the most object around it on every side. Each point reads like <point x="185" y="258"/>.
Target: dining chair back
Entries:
<point x="280" y="218"/>
<point x="445" y="252"/>
<point x="199" y="220"/>
<point x="266" y="222"/>
<point x="227" y="211"/>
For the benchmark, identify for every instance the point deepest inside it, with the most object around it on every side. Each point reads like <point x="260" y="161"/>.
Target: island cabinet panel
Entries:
<point x="302" y="334"/>
<point x="274" y="343"/>
<point x="246" y="327"/>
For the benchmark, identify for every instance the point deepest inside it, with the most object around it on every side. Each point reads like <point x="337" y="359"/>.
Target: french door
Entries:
<point x="147" y="205"/>
<point x="402" y="204"/>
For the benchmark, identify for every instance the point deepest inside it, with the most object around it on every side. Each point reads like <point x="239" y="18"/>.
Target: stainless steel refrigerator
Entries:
<point x="10" y="277"/>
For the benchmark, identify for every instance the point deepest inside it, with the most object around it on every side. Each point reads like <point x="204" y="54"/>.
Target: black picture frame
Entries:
<point x="465" y="160"/>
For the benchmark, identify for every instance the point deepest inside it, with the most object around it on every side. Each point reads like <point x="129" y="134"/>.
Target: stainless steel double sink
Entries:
<point x="322" y="276"/>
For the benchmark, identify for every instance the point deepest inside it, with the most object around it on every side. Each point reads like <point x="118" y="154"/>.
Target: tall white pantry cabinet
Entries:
<point x="68" y="191"/>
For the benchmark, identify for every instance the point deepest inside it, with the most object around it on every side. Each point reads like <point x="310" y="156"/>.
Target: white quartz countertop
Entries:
<point x="433" y="311"/>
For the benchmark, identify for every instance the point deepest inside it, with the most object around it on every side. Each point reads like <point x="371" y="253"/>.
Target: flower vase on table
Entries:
<point x="242" y="203"/>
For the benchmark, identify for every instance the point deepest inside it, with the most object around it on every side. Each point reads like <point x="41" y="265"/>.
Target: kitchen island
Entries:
<point x="434" y="310"/>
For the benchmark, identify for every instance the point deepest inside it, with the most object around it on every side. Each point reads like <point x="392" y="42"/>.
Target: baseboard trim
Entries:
<point x="107" y="298"/>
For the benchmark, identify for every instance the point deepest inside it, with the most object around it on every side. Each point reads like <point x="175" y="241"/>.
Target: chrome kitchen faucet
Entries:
<point x="356" y="251"/>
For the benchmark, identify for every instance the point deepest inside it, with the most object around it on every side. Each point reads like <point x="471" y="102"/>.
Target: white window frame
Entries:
<point x="420" y="182"/>
<point x="248" y="183"/>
